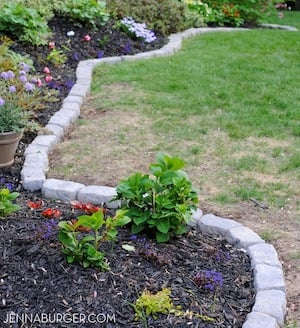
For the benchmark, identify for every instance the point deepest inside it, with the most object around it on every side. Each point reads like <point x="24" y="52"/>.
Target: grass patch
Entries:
<point x="228" y="103"/>
<point x="290" y="18"/>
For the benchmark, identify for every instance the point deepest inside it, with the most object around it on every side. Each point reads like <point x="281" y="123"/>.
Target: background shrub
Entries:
<point x="248" y="12"/>
<point x="23" y="23"/>
<point x="85" y="12"/>
<point x="164" y="16"/>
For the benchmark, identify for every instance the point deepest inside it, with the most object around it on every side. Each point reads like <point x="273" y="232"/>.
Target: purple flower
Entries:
<point x="46" y="229"/>
<point x="25" y="67"/>
<point x="4" y="75"/>
<point x="12" y="88"/>
<point x="23" y="78"/>
<point x="29" y="86"/>
<point x="208" y="279"/>
<point x="75" y="56"/>
<point x="100" y="54"/>
<point x="10" y="75"/>
<point x="127" y="48"/>
<point x="2" y="101"/>
<point x="22" y="72"/>
<point x="69" y="84"/>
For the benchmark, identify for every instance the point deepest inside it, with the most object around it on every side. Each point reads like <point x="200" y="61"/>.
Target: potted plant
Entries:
<point x="17" y="95"/>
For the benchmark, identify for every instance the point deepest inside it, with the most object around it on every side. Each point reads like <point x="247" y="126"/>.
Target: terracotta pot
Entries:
<point x="8" y="145"/>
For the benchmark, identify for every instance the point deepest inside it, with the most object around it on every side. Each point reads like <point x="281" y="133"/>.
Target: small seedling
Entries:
<point x="82" y="247"/>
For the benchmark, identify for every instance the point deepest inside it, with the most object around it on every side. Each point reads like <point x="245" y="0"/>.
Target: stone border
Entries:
<point x="270" y="305"/>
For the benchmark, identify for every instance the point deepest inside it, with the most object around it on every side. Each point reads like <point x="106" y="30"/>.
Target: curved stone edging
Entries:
<point x="270" y="306"/>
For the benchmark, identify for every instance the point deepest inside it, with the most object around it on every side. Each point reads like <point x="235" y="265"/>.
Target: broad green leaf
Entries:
<point x="163" y="225"/>
<point x="180" y="230"/>
<point x="66" y="237"/>
<point x="94" y="221"/>
<point x="137" y="228"/>
<point x="162" y="237"/>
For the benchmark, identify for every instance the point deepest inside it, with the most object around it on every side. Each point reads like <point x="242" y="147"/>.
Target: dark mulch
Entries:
<point x="34" y="275"/>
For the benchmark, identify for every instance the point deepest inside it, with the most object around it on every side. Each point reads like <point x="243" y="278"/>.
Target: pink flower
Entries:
<point x="48" y="78"/>
<point x="46" y="70"/>
<point x="39" y="82"/>
<point x="87" y="38"/>
<point x="51" y="45"/>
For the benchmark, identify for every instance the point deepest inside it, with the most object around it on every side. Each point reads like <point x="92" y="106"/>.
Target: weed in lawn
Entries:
<point x="269" y="236"/>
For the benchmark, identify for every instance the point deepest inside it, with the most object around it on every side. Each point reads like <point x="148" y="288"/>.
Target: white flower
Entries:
<point x="70" y="33"/>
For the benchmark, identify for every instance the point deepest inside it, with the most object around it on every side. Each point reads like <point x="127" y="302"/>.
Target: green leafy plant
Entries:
<point x="85" y="12"/>
<point x="23" y="23"/>
<point x="57" y="57"/>
<point x="81" y="239"/>
<point x="160" y="203"/>
<point x="6" y="202"/>
<point x="236" y="12"/>
<point x="197" y="12"/>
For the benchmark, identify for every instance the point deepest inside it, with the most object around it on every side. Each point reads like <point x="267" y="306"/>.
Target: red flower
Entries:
<point x="87" y="38"/>
<point x="35" y="205"/>
<point x="51" y="213"/>
<point x="87" y="207"/>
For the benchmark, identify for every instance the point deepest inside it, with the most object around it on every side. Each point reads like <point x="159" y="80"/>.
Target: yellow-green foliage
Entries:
<point x="152" y="304"/>
<point x="161" y="302"/>
<point x="9" y="60"/>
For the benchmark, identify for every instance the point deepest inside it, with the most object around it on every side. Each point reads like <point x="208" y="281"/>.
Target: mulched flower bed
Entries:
<point x="34" y="275"/>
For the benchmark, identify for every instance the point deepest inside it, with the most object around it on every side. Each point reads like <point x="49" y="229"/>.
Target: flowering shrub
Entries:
<point x="199" y="7"/>
<point x="235" y="12"/>
<point x="137" y="30"/>
<point x="19" y="95"/>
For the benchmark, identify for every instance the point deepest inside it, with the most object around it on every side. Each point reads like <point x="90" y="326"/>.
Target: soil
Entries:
<point x="35" y="277"/>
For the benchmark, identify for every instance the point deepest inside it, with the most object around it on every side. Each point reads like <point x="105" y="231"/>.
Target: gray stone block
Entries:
<point x="80" y="90"/>
<point x="272" y="303"/>
<point x="57" y="130"/>
<point x="72" y="106"/>
<point x="243" y="237"/>
<point x="47" y="140"/>
<point x="35" y="148"/>
<point x="62" y="119"/>
<point x="32" y="179"/>
<point x="263" y="253"/>
<point x="268" y="277"/>
<point x="212" y="224"/>
<point x="60" y="189"/>
<point x="99" y="195"/>
<point x="77" y="99"/>
<point x="37" y="161"/>
<point x="259" y="320"/>
<point x="196" y="216"/>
